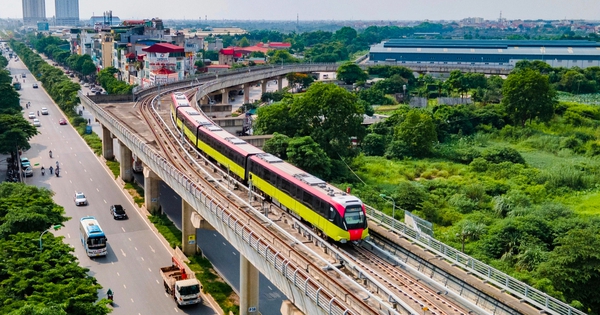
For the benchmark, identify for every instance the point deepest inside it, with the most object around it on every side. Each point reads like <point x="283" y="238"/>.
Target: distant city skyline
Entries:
<point x="330" y="10"/>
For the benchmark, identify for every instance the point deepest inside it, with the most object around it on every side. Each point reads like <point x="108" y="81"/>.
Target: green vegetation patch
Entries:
<point x="166" y="227"/>
<point x="136" y="191"/>
<point x="115" y="167"/>
<point x="213" y="285"/>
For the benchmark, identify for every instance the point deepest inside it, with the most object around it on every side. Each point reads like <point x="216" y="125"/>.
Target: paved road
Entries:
<point x="135" y="253"/>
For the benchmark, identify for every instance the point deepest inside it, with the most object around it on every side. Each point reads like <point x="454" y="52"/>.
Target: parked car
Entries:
<point x="86" y="85"/>
<point x="118" y="212"/>
<point x="80" y="199"/>
<point x="27" y="171"/>
<point x="36" y="122"/>
<point x="25" y="162"/>
<point x="31" y="115"/>
<point x="35" y="85"/>
<point x="44" y="111"/>
<point x="62" y="121"/>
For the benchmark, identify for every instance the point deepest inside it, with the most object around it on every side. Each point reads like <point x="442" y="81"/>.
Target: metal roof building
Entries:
<point x="557" y="53"/>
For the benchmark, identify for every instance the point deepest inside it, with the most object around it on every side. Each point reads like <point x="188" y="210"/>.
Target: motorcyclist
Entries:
<point x="43" y="170"/>
<point x="110" y="294"/>
<point x="56" y="172"/>
<point x="50" y="154"/>
<point x="38" y="112"/>
<point x="50" y="169"/>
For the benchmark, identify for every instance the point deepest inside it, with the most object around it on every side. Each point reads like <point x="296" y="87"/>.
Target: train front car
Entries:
<point x="333" y="212"/>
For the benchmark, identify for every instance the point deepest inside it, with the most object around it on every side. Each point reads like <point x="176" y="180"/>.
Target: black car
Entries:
<point x="118" y="212"/>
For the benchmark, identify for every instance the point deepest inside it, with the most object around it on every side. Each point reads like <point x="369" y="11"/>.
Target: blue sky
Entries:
<point x="328" y="9"/>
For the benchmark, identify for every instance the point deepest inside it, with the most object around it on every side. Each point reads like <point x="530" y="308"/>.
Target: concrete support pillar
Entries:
<point x="188" y="231"/>
<point x="107" y="144"/>
<point x="279" y="83"/>
<point x="204" y="100"/>
<point x="247" y="93"/>
<point x="151" y="182"/>
<point x="125" y="160"/>
<point x="225" y="96"/>
<point x="249" y="290"/>
<point x="263" y="86"/>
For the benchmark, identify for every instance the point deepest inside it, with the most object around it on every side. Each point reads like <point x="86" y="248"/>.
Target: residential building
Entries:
<point x="67" y="12"/>
<point x="107" y="46"/>
<point x="163" y="63"/>
<point x="34" y="11"/>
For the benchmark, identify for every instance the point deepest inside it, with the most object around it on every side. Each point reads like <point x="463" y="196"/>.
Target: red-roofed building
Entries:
<point x="230" y="55"/>
<point x="163" y="63"/>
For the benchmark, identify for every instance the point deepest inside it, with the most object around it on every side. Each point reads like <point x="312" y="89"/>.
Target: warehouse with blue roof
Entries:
<point x="557" y="53"/>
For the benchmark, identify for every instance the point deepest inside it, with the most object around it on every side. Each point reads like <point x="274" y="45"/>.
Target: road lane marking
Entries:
<point x="234" y="254"/>
<point x="98" y="190"/>
<point x="123" y="229"/>
<point x="104" y="200"/>
<point x="91" y="180"/>
<point x="270" y="287"/>
<point x="149" y="269"/>
<point x="142" y="258"/>
<point x="68" y="235"/>
<point x="156" y="281"/>
<point x="79" y="162"/>
<point x="85" y="170"/>
<point x="224" y="244"/>
<point x="129" y="238"/>
<point x="122" y="252"/>
<point x="70" y="181"/>
<point x="118" y="274"/>
<point x="135" y="248"/>
<point x="152" y="249"/>
<point x="132" y="301"/>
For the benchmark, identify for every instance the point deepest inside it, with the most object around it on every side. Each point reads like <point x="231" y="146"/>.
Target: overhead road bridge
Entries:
<point x="305" y="292"/>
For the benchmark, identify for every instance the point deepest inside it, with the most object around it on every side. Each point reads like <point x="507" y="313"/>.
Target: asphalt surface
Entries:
<point x="131" y="268"/>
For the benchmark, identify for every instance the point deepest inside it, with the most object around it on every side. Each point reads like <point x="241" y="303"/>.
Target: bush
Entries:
<point x="593" y="148"/>
<point x="561" y="177"/>
<point x="505" y="154"/>
<point x="479" y="165"/>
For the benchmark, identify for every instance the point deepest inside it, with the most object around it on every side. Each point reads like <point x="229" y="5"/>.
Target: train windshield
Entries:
<point x="355" y="217"/>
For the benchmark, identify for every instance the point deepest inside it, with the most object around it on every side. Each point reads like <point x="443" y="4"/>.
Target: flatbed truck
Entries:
<point x="180" y="285"/>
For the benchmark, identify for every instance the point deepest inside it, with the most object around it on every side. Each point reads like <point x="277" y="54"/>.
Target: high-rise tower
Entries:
<point x="67" y="12"/>
<point x="34" y="11"/>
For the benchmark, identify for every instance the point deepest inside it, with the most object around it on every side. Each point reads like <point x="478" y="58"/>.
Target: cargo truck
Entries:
<point x="183" y="287"/>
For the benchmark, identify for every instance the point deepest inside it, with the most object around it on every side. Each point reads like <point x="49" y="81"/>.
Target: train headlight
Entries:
<point x="343" y="240"/>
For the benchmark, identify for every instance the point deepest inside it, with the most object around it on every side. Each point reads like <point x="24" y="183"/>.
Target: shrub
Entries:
<point x="479" y="165"/>
<point x="505" y="154"/>
<point x="562" y="176"/>
<point x="593" y="148"/>
<point x="571" y="143"/>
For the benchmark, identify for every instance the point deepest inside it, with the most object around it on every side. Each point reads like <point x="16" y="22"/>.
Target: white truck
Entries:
<point x="183" y="287"/>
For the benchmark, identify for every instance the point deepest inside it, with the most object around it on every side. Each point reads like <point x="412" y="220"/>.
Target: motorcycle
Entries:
<point x="50" y="154"/>
<point x="43" y="172"/>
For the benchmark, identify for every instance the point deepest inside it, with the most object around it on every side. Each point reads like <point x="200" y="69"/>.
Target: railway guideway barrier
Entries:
<point x="292" y="279"/>
<point x="531" y="295"/>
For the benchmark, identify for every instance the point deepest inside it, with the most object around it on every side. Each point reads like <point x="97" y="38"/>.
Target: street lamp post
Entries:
<point x="56" y="227"/>
<point x="393" y="207"/>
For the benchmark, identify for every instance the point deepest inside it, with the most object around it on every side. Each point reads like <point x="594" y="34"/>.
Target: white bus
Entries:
<point x="92" y="237"/>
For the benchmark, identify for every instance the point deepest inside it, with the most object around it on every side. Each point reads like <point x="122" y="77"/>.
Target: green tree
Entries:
<point x="574" y="266"/>
<point x="3" y="62"/>
<point x="9" y="99"/>
<point x="277" y="118"/>
<point x="331" y="116"/>
<point x="345" y="35"/>
<point x="527" y="95"/>
<point x="88" y="67"/>
<point x="351" y="73"/>
<point x="15" y="132"/>
<point x="417" y="131"/>
<point x="374" y="144"/>
<point x="306" y="154"/>
<point x="243" y="42"/>
<point x="277" y="145"/>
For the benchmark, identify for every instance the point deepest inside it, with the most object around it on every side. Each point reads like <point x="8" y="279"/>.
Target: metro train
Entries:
<point x="333" y="212"/>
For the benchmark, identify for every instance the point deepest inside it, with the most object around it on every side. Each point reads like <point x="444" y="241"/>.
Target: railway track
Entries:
<point x="415" y="293"/>
<point x="411" y="291"/>
<point x="344" y="296"/>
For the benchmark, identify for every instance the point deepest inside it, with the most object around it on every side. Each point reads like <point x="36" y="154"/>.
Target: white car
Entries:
<point x="80" y="199"/>
<point x="31" y="115"/>
<point x="44" y="111"/>
<point x="86" y="85"/>
<point x="36" y="122"/>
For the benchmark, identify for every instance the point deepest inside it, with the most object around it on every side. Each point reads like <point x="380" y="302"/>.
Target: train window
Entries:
<point x="293" y="190"/>
<point x="285" y="185"/>
<point x="266" y="174"/>
<point x="332" y="213"/>
<point x="307" y="199"/>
